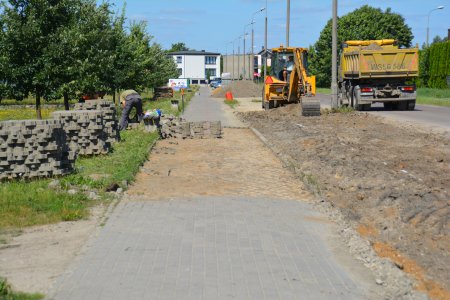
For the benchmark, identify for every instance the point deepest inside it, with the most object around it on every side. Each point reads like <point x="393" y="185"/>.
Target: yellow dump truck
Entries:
<point x="378" y="71"/>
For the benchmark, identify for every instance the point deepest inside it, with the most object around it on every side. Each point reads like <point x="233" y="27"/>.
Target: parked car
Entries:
<point x="214" y="81"/>
<point x="216" y="84"/>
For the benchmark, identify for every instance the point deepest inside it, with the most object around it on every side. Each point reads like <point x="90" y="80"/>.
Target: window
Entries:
<point x="210" y="60"/>
<point x="179" y="59"/>
<point x="180" y="71"/>
<point x="210" y="72"/>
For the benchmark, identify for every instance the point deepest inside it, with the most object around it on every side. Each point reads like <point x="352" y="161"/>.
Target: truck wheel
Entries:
<point x="356" y="98"/>
<point x="262" y="99"/>
<point x="411" y="104"/>
<point x="352" y="96"/>
<point x="268" y="105"/>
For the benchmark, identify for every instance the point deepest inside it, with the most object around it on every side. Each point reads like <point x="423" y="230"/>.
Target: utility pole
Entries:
<point x="288" y="21"/>
<point x="253" y="47"/>
<point x="334" y="92"/>
<point x="243" y="57"/>
<point x="265" y="45"/>
<point x="232" y="77"/>
<point x="239" y="58"/>
<point x="243" y="60"/>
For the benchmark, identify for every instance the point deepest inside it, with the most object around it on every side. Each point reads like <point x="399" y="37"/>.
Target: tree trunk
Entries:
<point x="38" y="106"/>
<point x="114" y="98"/>
<point x="66" y="101"/>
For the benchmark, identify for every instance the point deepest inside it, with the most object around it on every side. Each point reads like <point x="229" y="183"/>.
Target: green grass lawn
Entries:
<point x="232" y="103"/>
<point x="23" y="113"/>
<point x="439" y="97"/>
<point x="6" y="293"/>
<point x="326" y="91"/>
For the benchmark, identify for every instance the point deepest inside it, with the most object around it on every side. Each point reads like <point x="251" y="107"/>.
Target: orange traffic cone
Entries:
<point x="229" y="96"/>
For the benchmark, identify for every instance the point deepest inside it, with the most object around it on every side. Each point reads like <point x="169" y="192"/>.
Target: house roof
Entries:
<point x="193" y="52"/>
<point x="262" y="52"/>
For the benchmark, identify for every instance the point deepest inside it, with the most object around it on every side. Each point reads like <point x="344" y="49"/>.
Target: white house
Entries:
<point x="197" y="66"/>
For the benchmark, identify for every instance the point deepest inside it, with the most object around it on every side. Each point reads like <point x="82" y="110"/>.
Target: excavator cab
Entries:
<point x="288" y="81"/>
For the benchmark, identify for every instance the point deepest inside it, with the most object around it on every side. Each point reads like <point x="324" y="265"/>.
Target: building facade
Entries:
<point x="197" y="66"/>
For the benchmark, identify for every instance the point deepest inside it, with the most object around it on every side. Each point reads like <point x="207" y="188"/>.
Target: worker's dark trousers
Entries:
<point x="129" y="104"/>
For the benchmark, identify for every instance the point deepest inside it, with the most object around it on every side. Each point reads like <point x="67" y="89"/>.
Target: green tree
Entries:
<point x="178" y="47"/>
<point x="140" y="63"/>
<point x="365" y="23"/>
<point x="80" y="52"/>
<point x="29" y="27"/>
<point x="438" y="39"/>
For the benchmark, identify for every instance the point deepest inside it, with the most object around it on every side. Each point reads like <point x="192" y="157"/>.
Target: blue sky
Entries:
<point x="210" y="25"/>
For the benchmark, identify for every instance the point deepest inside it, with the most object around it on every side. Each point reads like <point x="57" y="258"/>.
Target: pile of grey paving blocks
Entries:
<point x="179" y="128"/>
<point x="85" y="130"/>
<point x="109" y="116"/>
<point x="34" y="148"/>
<point x="42" y="148"/>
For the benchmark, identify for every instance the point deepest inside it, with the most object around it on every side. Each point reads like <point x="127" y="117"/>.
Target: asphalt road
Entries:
<point x="436" y="117"/>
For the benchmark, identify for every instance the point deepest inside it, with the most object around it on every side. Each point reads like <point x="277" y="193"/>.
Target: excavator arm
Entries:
<point x="300" y="84"/>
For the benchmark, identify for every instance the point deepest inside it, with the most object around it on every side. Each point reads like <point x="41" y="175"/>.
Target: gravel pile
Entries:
<point x="239" y="89"/>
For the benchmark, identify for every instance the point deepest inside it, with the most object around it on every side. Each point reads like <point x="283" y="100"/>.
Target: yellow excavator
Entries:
<point x="288" y="81"/>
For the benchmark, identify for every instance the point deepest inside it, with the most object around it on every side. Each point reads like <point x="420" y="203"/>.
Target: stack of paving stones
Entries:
<point x="34" y="148"/>
<point x="178" y="128"/>
<point x="85" y="131"/>
<point x="109" y="116"/>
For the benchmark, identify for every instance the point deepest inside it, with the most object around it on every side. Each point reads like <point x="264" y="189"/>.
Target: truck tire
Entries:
<point x="352" y="96"/>
<point x="268" y="105"/>
<point x="262" y="98"/>
<point x="411" y="104"/>
<point x="357" y="98"/>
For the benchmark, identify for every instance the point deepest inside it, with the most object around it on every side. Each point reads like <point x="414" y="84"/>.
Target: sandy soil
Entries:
<point x="391" y="181"/>
<point x="33" y="259"/>
<point x="239" y="89"/>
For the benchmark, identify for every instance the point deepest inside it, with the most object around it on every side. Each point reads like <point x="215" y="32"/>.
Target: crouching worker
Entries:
<point x="153" y="117"/>
<point x="130" y="99"/>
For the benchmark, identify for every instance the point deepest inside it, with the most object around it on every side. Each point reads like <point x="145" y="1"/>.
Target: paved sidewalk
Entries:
<point x="211" y="248"/>
<point x="205" y="108"/>
<point x="216" y="219"/>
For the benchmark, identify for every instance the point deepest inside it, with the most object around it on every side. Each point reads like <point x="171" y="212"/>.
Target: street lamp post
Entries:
<point x="253" y="36"/>
<point x="233" y="57"/>
<point x="428" y="22"/>
<point x="226" y="58"/>
<point x="334" y="87"/>
<point x="265" y="44"/>
<point x="239" y="56"/>
<point x="288" y="21"/>
<point x="243" y="59"/>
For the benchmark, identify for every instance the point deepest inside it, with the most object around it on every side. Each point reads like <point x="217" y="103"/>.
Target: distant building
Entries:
<point x="234" y="65"/>
<point x="197" y="66"/>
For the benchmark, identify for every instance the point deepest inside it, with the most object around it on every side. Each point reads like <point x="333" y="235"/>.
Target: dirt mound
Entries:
<point x="240" y="89"/>
<point x="392" y="181"/>
<point x="373" y="46"/>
